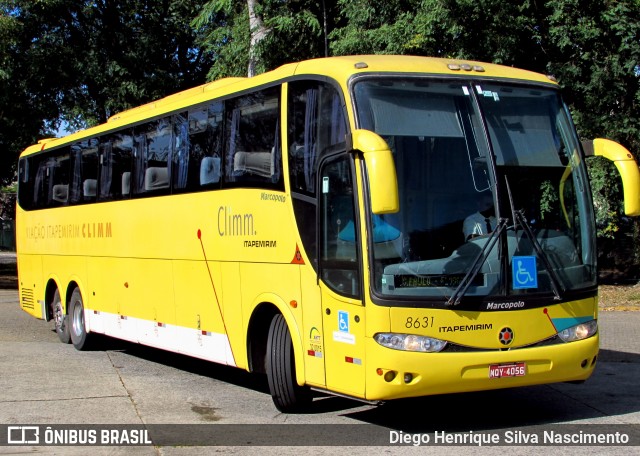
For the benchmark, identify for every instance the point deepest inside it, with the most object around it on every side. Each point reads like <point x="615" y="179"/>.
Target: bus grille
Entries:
<point x="26" y="299"/>
<point x="455" y="348"/>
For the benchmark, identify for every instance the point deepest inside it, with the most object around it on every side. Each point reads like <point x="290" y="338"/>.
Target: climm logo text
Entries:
<point x="231" y="224"/>
<point x="70" y="231"/>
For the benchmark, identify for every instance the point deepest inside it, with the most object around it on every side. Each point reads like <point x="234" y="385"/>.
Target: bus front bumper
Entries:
<point x="400" y="374"/>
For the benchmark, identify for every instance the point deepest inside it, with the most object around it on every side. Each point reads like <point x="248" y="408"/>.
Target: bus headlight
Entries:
<point x="579" y="332"/>
<point x="410" y="342"/>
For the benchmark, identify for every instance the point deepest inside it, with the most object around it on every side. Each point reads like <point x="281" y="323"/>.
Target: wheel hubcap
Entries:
<point x="57" y="315"/>
<point x="78" y="321"/>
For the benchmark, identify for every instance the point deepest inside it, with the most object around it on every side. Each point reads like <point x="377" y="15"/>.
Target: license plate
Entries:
<point x="507" y="370"/>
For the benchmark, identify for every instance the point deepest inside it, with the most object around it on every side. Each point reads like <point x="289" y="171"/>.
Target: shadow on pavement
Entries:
<point x="486" y="410"/>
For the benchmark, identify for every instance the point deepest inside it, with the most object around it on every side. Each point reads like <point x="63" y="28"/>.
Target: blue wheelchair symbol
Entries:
<point x="525" y="272"/>
<point x="343" y="321"/>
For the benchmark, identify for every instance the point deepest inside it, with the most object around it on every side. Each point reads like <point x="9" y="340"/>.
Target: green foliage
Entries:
<point x="21" y="116"/>
<point x="548" y="199"/>
<point x="223" y="27"/>
<point x="12" y="188"/>
<point x="607" y="200"/>
<point x="488" y="30"/>
<point x="8" y="201"/>
<point x="618" y="235"/>
<point x="294" y="33"/>
<point x="81" y="61"/>
<point x="596" y="52"/>
<point x="298" y="30"/>
<point x="593" y="48"/>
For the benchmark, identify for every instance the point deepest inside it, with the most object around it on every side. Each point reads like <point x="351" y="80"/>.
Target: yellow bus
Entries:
<point x="377" y="227"/>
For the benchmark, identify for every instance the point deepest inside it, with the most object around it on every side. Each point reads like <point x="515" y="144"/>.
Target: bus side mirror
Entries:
<point x="627" y="167"/>
<point x="383" y="181"/>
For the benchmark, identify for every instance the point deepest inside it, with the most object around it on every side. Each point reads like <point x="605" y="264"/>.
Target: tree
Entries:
<point x="81" y="61"/>
<point x="487" y="30"/>
<point x="592" y="48"/>
<point x="224" y="32"/>
<point x="250" y="38"/>
<point x="21" y="115"/>
<point x="596" y="56"/>
<point x="257" y="33"/>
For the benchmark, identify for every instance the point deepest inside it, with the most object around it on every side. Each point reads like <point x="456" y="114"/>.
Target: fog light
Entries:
<point x="408" y="378"/>
<point x="389" y="376"/>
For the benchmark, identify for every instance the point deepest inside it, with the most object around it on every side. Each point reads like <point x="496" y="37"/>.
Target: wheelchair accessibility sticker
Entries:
<point x="525" y="272"/>
<point x="343" y="321"/>
<point x="343" y="334"/>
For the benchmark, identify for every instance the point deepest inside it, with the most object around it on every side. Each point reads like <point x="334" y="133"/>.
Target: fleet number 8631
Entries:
<point x="419" y="322"/>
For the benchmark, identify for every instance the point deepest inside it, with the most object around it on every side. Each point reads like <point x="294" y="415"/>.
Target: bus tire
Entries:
<point x="287" y="395"/>
<point x="79" y="336"/>
<point x="60" y="319"/>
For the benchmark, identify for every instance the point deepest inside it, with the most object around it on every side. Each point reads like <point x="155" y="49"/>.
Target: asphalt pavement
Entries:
<point x="45" y="382"/>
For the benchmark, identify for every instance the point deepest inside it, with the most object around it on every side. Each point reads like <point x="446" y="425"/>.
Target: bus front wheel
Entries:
<point x="287" y="395"/>
<point x="60" y="319"/>
<point x="79" y="335"/>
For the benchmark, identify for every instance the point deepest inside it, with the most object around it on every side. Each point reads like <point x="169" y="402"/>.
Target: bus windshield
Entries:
<point x="494" y="196"/>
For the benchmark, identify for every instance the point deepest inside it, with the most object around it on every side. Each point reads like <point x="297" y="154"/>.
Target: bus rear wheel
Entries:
<point x="79" y="336"/>
<point x="60" y="319"/>
<point x="287" y="395"/>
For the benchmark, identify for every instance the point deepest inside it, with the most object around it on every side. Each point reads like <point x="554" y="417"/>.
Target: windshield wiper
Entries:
<point x="553" y="276"/>
<point x="478" y="261"/>
<point x="519" y="218"/>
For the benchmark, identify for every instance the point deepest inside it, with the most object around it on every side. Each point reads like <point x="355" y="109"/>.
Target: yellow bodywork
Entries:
<point x="187" y="272"/>
<point x="628" y="169"/>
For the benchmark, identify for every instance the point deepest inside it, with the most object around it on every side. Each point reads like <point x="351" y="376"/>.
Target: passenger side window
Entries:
<point x="152" y="151"/>
<point x="316" y="125"/>
<point x="181" y="166"/>
<point x="84" y="170"/>
<point x="206" y="136"/>
<point x="116" y="155"/>
<point x="253" y="151"/>
<point x="25" y="187"/>
<point x="58" y="170"/>
<point x="41" y="182"/>
<point x="233" y="142"/>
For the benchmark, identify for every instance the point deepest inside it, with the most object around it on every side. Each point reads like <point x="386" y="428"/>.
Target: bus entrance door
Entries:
<point x="344" y="344"/>
<point x="340" y="281"/>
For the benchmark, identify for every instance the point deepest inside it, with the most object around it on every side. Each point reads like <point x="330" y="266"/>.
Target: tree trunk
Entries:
<point x="258" y="33"/>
